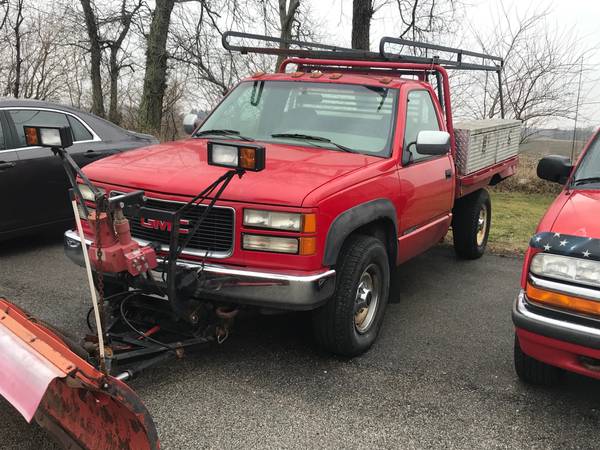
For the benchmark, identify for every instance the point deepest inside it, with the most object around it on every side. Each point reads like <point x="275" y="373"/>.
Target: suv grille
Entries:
<point x="215" y="234"/>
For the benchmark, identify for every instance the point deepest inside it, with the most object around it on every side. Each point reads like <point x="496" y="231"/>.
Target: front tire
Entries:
<point x="532" y="371"/>
<point x="471" y="221"/>
<point x="350" y="321"/>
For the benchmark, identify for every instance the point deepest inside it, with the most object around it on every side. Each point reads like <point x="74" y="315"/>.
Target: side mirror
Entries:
<point x="57" y="137"/>
<point x="555" y="168"/>
<point x="433" y="142"/>
<point x="193" y="121"/>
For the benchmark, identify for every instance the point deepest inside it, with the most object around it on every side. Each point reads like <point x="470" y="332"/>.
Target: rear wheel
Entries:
<point x="532" y="371"/>
<point x="350" y="321"/>
<point x="471" y="224"/>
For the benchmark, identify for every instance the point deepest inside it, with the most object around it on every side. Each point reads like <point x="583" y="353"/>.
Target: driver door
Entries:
<point x="426" y="182"/>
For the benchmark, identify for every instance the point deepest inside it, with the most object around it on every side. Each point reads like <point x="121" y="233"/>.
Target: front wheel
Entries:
<point x="471" y="224"/>
<point x="532" y="371"/>
<point x="350" y="321"/>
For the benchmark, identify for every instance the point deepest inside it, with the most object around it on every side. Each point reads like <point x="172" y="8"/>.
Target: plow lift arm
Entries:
<point x="77" y="391"/>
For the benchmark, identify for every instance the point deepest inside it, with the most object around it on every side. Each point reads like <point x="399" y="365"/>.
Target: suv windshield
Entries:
<point x="588" y="172"/>
<point x="341" y="117"/>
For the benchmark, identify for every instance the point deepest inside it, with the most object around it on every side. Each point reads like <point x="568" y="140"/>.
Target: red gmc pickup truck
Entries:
<point x="360" y="176"/>
<point x="557" y="312"/>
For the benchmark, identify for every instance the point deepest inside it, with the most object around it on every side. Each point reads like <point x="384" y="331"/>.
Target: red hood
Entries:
<point x="180" y="168"/>
<point x="579" y="216"/>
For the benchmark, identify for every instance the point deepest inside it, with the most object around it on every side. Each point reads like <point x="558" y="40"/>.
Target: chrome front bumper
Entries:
<point x="273" y="289"/>
<point x="554" y="324"/>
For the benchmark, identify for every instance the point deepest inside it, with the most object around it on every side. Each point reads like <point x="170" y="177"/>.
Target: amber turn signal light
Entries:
<point x="31" y="136"/>
<point x="308" y="246"/>
<point x="309" y="224"/>
<point x="563" y="301"/>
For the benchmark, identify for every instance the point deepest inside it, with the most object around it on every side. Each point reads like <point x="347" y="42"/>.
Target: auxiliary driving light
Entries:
<point x="48" y="136"/>
<point x="246" y="157"/>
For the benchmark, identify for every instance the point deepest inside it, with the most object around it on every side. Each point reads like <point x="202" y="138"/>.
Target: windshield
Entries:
<point x="588" y="171"/>
<point x="341" y="117"/>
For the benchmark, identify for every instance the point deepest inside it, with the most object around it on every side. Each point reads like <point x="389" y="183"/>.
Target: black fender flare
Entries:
<point x="352" y="219"/>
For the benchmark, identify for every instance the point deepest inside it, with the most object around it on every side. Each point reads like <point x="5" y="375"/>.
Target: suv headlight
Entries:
<point x="566" y="268"/>
<point x="276" y="220"/>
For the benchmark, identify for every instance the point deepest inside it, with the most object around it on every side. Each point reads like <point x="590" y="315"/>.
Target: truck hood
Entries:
<point x="181" y="168"/>
<point x="579" y="216"/>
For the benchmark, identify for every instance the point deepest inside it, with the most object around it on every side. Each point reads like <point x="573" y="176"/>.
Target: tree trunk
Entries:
<point x="19" y="61"/>
<point x="362" y="12"/>
<point x="96" y="58"/>
<point x="286" y="19"/>
<point x="113" y="109"/>
<point x="150" y="114"/>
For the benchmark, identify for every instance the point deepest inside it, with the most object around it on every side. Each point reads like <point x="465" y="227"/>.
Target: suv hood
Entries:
<point x="181" y="168"/>
<point x="580" y="215"/>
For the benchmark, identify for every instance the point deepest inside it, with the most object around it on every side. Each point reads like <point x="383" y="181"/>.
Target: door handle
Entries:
<point x="448" y="173"/>
<point x="6" y="165"/>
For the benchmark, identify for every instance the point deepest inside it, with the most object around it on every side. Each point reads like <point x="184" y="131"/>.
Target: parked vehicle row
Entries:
<point x="557" y="312"/>
<point x="32" y="175"/>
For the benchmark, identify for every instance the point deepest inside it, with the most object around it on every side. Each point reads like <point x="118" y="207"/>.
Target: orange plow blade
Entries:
<point x="80" y="406"/>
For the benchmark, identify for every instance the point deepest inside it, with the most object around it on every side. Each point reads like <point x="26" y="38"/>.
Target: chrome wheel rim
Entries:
<point x="482" y="225"/>
<point x="367" y="298"/>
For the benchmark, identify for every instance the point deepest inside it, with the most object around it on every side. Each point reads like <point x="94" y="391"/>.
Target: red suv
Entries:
<point x="557" y="313"/>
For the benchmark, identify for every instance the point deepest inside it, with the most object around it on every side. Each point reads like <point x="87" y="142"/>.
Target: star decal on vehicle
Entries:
<point x="567" y="245"/>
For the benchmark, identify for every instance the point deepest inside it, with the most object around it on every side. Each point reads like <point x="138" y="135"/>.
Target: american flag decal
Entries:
<point x="567" y="245"/>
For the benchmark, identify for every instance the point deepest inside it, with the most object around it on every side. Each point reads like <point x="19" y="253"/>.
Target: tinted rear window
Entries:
<point x="80" y="133"/>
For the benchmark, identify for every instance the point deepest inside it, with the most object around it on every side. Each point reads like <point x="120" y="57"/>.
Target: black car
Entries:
<point x="33" y="184"/>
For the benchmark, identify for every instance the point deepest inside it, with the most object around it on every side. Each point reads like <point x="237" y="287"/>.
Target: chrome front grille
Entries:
<point x="215" y="235"/>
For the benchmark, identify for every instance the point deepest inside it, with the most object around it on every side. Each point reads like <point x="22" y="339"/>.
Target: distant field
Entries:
<point x="539" y="147"/>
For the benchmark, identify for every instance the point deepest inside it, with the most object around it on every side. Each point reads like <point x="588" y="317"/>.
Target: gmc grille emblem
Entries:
<point x="164" y="225"/>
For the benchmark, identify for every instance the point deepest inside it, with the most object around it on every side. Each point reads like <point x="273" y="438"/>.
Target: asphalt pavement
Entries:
<point x="440" y="375"/>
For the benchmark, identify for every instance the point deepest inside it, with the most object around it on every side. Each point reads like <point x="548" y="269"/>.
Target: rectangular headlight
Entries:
<point x="566" y="268"/>
<point x="272" y="219"/>
<point x="270" y="243"/>
<point x="87" y="193"/>
<point x="236" y="156"/>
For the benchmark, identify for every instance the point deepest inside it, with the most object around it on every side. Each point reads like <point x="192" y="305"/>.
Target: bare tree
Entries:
<point x="419" y="18"/>
<point x="18" y="33"/>
<point x="4" y="7"/>
<point x="424" y="17"/>
<point x="541" y="67"/>
<point x="362" y="13"/>
<point x="287" y="14"/>
<point x="115" y="64"/>
<point x="151" y="107"/>
<point x="95" y="49"/>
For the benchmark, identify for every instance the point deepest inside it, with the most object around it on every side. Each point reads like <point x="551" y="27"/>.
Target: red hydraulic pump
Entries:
<point x="119" y="252"/>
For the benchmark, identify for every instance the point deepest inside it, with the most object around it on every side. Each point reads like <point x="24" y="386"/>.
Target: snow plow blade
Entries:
<point x="81" y="407"/>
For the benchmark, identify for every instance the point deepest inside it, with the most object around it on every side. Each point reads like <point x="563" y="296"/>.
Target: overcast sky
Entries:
<point x="580" y="17"/>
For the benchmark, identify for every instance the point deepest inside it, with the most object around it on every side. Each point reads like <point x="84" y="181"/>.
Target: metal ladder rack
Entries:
<point x="455" y="59"/>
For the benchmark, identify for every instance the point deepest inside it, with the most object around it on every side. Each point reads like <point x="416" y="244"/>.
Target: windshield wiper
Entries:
<point x="218" y="132"/>
<point x="586" y="181"/>
<point x="308" y="137"/>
